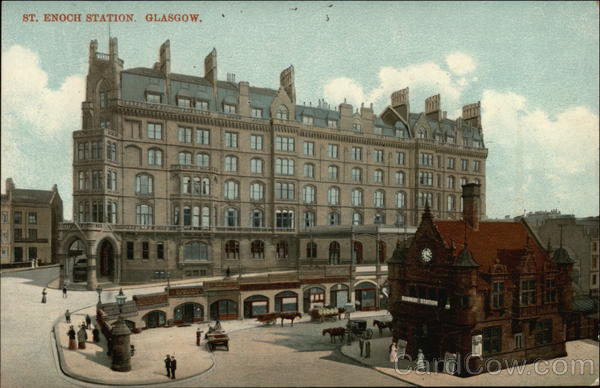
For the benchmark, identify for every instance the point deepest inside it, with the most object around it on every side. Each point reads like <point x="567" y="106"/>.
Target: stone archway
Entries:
<point x="76" y="261"/>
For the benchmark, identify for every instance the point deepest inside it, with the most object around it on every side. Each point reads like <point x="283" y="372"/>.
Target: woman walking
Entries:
<point x="44" y="295"/>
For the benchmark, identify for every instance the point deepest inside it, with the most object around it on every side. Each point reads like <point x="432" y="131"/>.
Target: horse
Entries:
<point x="382" y="325"/>
<point x="335" y="332"/>
<point x="267" y="319"/>
<point x="290" y="316"/>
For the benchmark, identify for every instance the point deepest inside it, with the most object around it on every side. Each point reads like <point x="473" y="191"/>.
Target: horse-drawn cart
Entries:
<point x="215" y="339"/>
<point x="323" y="313"/>
<point x="357" y="328"/>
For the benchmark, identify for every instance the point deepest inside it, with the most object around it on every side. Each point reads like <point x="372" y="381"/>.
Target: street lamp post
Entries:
<point x="121" y="351"/>
<point x="99" y="291"/>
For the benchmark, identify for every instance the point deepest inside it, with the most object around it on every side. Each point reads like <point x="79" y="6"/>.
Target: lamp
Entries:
<point x="120" y="300"/>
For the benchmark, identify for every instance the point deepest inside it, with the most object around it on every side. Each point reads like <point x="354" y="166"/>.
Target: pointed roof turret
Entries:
<point x="400" y="254"/>
<point x="465" y="259"/>
<point x="561" y="255"/>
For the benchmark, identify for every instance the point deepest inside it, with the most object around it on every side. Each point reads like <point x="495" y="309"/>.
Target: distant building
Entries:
<point x="537" y="218"/>
<point x="29" y="224"/>
<point x="488" y="290"/>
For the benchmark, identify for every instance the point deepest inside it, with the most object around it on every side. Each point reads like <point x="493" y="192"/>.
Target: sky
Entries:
<point x="533" y="66"/>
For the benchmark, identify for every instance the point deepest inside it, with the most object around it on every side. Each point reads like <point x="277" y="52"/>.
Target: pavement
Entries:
<point x="565" y="371"/>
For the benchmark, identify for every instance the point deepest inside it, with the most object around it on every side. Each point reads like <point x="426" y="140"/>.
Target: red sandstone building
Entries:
<point x="481" y="290"/>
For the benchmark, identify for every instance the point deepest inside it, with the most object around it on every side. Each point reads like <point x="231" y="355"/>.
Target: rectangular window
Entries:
<point x="543" y="332"/>
<point x="130" y="250"/>
<point x="332" y="151"/>
<point x="202" y="136"/>
<point x="498" y="295"/>
<point x="201" y="104"/>
<point x="550" y="291"/>
<point x="32" y="253"/>
<point x="518" y="341"/>
<point x="104" y="123"/>
<point x="80" y="151"/>
<point x="378" y="156"/>
<point x="476" y="165"/>
<point x="464" y="164"/>
<point x="426" y="179"/>
<point x="308" y="148"/>
<point x="103" y="100"/>
<point x="32" y="234"/>
<point x="309" y="171"/>
<point x="154" y="131"/>
<point x="356" y="127"/>
<point x="356" y="153"/>
<point x="257" y="113"/>
<point x="18" y="218"/>
<point x="145" y="250"/>
<point x="4" y="217"/>
<point x="32" y="218"/>
<point x="332" y="123"/>
<point x="227" y="108"/>
<point x="231" y="139"/>
<point x="492" y="340"/>
<point x="425" y="159"/>
<point x="308" y="120"/>
<point x="256" y="142"/>
<point x="184" y="135"/>
<point x="285" y="144"/>
<point x="153" y="98"/>
<point x="450" y="163"/>
<point x="378" y="130"/>
<point x="184" y="102"/>
<point x="527" y="293"/>
<point x="284" y="191"/>
<point x="400" y="158"/>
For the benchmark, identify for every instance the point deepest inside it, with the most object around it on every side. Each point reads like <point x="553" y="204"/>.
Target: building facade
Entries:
<point x="190" y="175"/>
<point x="29" y="225"/>
<point x="477" y="291"/>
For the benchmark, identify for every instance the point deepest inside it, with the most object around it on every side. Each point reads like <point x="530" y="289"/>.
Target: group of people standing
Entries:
<point x="171" y="365"/>
<point x="81" y="335"/>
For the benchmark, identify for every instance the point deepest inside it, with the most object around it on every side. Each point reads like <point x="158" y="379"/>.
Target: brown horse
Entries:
<point x="290" y="316"/>
<point x="335" y="332"/>
<point x="382" y="325"/>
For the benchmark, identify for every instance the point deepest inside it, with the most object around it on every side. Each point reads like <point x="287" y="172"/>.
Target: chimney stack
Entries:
<point x="471" y="204"/>
<point x="400" y="103"/>
<point x="286" y="81"/>
<point x="210" y="67"/>
<point x="432" y="107"/>
<point x="164" y="58"/>
<point x="472" y="114"/>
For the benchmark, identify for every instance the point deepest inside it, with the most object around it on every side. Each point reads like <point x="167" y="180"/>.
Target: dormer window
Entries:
<point x="282" y="113"/>
<point x="400" y="133"/>
<point x="332" y="123"/>
<point x="422" y="133"/>
<point x="308" y="120"/>
<point x="356" y="127"/>
<point x="153" y="98"/>
<point x="228" y="108"/>
<point x="257" y="113"/>
<point x="201" y="104"/>
<point x="183" y="102"/>
<point x="465" y="142"/>
<point x="378" y="130"/>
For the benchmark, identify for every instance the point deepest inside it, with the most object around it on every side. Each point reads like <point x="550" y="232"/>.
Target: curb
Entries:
<point x="64" y="368"/>
<point x="339" y="348"/>
<point x="13" y="270"/>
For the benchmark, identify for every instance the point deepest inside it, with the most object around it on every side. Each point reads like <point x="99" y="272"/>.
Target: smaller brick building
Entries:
<point x="488" y="292"/>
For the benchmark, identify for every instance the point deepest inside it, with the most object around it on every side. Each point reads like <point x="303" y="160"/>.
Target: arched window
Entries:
<point x="232" y="249"/>
<point x="232" y="190"/>
<point x="309" y="219"/>
<point x="450" y="182"/>
<point x="187" y="216"/>
<point x="282" y="250"/>
<point x="282" y="113"/>
<point x="143" y="215"/>
<point x="401" y="200"/>
<point x="185" y="158"/>
<point x="333" y="196"/>
<point x="196" y="217"/>
<point x="196" y="186"/>
<point x="155" y="157"/>
<point x="143" y="184"/>
<point x="205" y="190"/>
<point x="284" y="219"/>
<point x="186" y="187"/>
<point x="378" y="176"/>
<point x="451" y="203"/>
<point x="311" y="250"/>
<point x="356" y="174"/>
<point x="334" y="252"/>
<point x="379" y="199"/>
<point x="257" y="220"/>
<point x="203" y="160"/>
<point x="422" y="133"/>
<point x="205" y="217"/>
<point x="256" y="191"/>
<point x="196" y="251"/>
<point x="231" y="217"/>
<point x="308" y="194"/>
<point x="357" y="197"/>
<point x="257" y="249"/>
<point x="111" y="212"/>
<point x="399" y="178"/>
<point x="357" y="251"/>
<point x="231" y="163"/>
<point x="334" y="218"/>
<point x="357" y="218"/>
<point x="381" y="251"/>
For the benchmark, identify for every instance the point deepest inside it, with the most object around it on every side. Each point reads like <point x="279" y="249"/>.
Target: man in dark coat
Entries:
<point x="173" y="366"/>
<point x="44" y="295"/>
<point x="81" y="337"/>
<point x="96" y="334"/>
<point x="168" y="365"/>
<point x="88" y="322"/>
<point x="71" y="333"/>
<point x="68" y="316"/>
<point x="64" y="291"/>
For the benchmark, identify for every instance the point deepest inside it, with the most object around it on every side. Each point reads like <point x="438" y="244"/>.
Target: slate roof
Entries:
<point x="399" y="255"/>
<point x="32" y="196"/>
<point x="507" y="241"/>
<point x="465" y="259"/>
<point x="561" y="256"/>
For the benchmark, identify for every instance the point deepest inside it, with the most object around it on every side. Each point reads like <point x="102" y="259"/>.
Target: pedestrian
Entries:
<point x="88" y="321"/>
<point x="361" y="344"/>
<point x="168" y="365"/>
<point x="81" y="337"/>
<point x="68" y="316"/>
<point x="367" y="349"/>
<point x="420" y="360"/>
<point x="173" y="366"/>
<point x="64" y="291"/>
<point x="44" y="295"/>
<point x="218" y="326"/>
<point x="198" y="336"/>
<point x="71" y="334"/>
<point x="393" y="352"/>
<point x="228" y="272"/>
<point x="96" y="334"/>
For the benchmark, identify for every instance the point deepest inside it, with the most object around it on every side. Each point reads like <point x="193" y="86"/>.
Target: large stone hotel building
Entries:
<point x="194" y="176"/>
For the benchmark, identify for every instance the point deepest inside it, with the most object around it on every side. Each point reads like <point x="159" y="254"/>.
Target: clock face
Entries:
<point x="426" y="255"/>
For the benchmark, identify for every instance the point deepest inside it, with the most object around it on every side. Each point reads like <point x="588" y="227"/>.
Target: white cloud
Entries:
<point x="460" y="63"/>
<point x="536" y="161"/>
<point x="37" y="122"/>
<point x="342" y="88"/>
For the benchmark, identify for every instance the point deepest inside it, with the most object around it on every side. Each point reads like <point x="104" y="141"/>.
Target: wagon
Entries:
<point x="357" y="328"/>
<point x="217" y="339"/>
